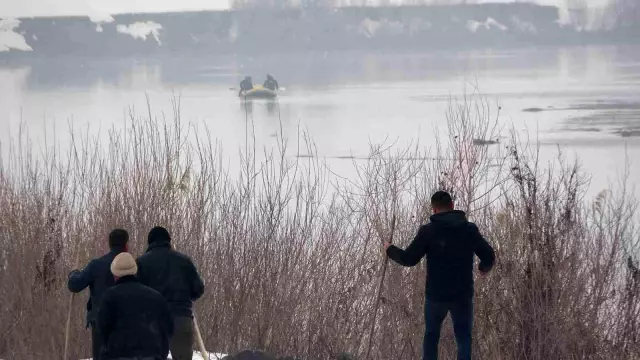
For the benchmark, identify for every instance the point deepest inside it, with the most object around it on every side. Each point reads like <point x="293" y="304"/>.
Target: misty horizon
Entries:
<point x="44" y="8"/>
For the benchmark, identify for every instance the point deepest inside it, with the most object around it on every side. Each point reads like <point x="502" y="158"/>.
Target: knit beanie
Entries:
<point x="158" y="234"/>
<point x="124" y="265"/>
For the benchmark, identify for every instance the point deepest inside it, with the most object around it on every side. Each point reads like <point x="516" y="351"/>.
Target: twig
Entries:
<point x="199" y="341"/>
<point x="70" y="312"/>
<point x="384" y="272"/>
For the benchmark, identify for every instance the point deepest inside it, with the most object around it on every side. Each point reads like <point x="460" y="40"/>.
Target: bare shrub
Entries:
<point x="292" y="257"/>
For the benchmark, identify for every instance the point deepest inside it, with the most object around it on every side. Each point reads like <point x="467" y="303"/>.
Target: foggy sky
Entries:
<point x="26" y="8"/>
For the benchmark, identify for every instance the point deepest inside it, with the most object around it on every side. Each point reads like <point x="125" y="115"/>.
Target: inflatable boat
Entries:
<point x="259" y="92"/>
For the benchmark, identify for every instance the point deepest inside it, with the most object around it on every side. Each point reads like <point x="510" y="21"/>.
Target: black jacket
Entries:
<point x="449" y="242"/>
<point x="97" y="276"/>
<point x="246" y="85"/>
<point x="173" y="275"/>
<point x="134" y="321"/>
<point x="271" y="84"/>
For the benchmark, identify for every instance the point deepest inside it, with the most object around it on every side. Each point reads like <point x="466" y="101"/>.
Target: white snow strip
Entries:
<point x="196" y="356"/>
<point x="141" y="30"/>
<point x="9" y="38"/>
<point x="474" y="25"/>
<point x="101" y="18"/>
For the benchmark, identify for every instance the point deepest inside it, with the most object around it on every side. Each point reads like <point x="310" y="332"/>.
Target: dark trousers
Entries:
<point x="96" y="342"/>
<point x="181" y="344"/>
<point x="462" y="317"/>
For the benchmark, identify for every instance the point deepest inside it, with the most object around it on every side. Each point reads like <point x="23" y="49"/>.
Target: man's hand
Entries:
<point x="482" y="274"/>
<point x="386" y="246"/>
<point x="73" y="272"/>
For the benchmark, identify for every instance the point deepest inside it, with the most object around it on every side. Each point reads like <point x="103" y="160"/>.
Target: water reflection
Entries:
<point x="318" y="70"/>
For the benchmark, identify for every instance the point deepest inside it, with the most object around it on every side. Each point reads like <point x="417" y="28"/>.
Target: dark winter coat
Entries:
<point x="449" y="242"/>
<point x="134" y="321"/>
<point x="246" y="85"/>
<point x="173" y="275"/>
<point x="271" y="84"/>
<point x="97" y="276"/>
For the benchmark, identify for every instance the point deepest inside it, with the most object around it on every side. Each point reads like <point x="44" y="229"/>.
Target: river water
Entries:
<point x="584" y="99"/>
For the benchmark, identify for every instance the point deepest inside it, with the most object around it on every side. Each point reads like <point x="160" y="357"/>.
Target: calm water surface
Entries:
<point x="584" y="99"/>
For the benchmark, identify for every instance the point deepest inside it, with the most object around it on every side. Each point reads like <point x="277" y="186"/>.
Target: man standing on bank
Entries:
<point x="98" y="278"/>
<point x="174" y="276"/>
<point x="134" y="320"/>
<point x="449" y="242"/>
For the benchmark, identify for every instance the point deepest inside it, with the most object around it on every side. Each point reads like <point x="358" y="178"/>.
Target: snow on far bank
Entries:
<point x="473" y="25"/>
<point x="9" y="38"/>
<point x="100" y="19"/>
<point x="141" y="30"/>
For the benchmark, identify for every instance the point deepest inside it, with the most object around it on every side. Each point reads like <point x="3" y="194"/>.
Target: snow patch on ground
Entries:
<point x="196" y="356"/>
<point x="142" y="30"/>
<point x="474" y="25"/>
<point x="9" y="38"/>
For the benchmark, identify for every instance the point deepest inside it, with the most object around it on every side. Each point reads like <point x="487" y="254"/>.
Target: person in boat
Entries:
<point x="246" y="85"/>
<point x="271" y="83"/>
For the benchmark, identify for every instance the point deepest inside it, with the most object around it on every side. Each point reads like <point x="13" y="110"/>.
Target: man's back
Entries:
<point x="173" y="275"/>
<point x="135" y="321"/>
<point x="97" y="276"/>
<point x="271" y="84"/>
<point x="452" y="244"/>
<point x="246" y="84"/>
<point x="449" y="243"/>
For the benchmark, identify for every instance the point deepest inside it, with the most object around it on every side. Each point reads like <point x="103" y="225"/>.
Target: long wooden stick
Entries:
<point x="199" y="341"/>
<point x="384" y="272"/>
<point x="67" y="329"/>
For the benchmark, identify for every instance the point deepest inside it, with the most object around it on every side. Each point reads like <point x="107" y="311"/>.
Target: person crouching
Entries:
<point x="134" y="320"/>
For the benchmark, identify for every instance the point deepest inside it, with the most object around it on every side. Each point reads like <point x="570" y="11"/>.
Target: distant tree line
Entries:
<point x="619" y="14"/>
<point x="627" y="12"/>
<point x="286" y="4"/>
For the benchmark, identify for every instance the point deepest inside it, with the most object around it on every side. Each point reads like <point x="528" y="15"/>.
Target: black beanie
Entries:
<point x="158" y="234"/>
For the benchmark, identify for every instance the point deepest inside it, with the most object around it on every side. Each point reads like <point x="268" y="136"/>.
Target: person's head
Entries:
<point x="158" y="235"/>
<point x="248" y="78"/>
<point x="441" y="201"/>
<point x="269" y="77"/>
<point x="118" y="239"/>
<point x="124" y="265"/>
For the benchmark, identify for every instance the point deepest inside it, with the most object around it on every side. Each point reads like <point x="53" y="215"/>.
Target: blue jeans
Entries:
<point x="462" y="316"/>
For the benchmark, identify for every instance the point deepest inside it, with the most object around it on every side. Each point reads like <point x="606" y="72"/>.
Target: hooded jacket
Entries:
<point x="271" y="83"/>
<point x="173" y="275"/>
<point x="449" y="242"/>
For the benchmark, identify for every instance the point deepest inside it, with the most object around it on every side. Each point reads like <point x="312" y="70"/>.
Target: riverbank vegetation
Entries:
<point x="291" y="254"/>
